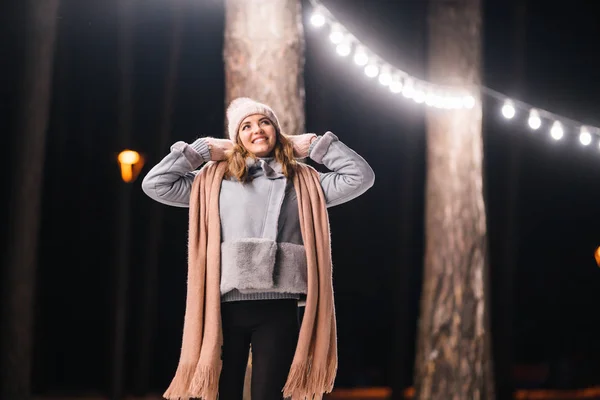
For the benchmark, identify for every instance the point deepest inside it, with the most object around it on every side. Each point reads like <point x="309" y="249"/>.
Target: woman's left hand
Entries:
<point x="301" y="143"/>
<point x="218" y="148"/>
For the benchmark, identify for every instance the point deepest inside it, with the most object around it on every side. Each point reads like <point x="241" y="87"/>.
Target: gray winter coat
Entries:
<point x="262" y="254"/>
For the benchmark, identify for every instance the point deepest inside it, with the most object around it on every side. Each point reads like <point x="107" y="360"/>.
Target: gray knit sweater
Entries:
<point x="262" y="254"/>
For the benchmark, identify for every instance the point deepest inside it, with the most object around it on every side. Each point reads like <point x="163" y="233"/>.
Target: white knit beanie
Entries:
<point x="243" y="107"/>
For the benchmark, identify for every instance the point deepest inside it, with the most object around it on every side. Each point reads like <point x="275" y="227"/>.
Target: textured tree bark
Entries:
<point x="453" y="355"/>
<point x="264" y="57"/>
<point x="18" y="282"/>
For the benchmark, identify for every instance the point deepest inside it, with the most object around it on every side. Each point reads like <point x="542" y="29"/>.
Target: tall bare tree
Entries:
<point x="264" y="56"/>
<point x="18" y="283"/>
<point x="453" y="356"/>
<point x="264" y="59"/>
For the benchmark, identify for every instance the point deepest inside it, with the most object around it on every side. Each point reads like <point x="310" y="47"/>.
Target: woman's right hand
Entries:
<point x="218" y="147"/>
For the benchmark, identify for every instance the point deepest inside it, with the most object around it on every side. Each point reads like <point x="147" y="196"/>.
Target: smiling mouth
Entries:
<point x="259" y="140"/>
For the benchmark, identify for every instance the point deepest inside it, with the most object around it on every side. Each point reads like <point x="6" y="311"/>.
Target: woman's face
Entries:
<point x="258" y="135"/>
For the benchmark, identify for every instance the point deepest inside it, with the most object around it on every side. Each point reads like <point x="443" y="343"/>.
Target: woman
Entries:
<point x="258" y="245"/>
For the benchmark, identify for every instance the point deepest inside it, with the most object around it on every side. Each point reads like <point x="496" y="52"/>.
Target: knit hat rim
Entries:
<point x="243" y="107"/>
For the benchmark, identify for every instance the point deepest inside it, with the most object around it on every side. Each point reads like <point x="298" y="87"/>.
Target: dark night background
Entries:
<point x="552" y="291"/>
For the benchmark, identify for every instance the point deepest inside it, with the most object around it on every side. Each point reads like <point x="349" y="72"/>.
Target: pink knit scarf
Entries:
<point x="314" y="367"/>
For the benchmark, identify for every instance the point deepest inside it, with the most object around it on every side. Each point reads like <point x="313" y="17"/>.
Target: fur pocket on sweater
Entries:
<point x="247" y="264"/>
<point x="290" y="269"/>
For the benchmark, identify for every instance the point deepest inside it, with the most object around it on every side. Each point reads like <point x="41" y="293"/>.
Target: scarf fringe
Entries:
<point x="306" y="382"/>
<point x="194" y="382"/>
<point x="332" y="367"/>
<point x="296" y="379"/>
<point x="178" y="389"/>
<point x="205" y="383"/>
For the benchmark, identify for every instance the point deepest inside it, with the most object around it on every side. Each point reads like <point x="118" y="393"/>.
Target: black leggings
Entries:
<point x="272" y="327"/>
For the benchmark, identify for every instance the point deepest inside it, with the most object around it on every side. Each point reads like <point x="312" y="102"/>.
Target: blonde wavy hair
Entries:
<point x="283" y="153"/>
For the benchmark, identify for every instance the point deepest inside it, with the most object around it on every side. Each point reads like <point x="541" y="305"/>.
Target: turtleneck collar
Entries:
<point x="267" y="166"/>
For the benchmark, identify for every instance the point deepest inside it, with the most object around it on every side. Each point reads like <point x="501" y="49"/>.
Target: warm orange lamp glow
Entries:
<point x="131" y="163"/>
<point x="597" y="256"/>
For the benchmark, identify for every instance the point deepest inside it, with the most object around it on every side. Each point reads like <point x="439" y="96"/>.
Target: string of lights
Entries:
<point x="438" y="96"/>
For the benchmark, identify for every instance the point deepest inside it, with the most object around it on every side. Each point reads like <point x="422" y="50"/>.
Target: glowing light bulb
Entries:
<point x="317" y="19"/>
<point x="385" y="77"/>
<point x="396" y="85"/>
<point x="468" y="101"/>
<point x="419" y="96"/>
<point x="438" y="101"/>
<point x="408" y="90"/>
<point x="337" y="34"/>
<point x="130" y="163"/>
<point x="360" y="56"/>
<point x="430" y="99"/>
<point x="457" y="102"/>
<point x="557" y="131"/>
<point x="371" y="70"/>
<point x="508" y="109"/>
<point x="128" y="157"/>
<point x="584" y="136"/>
<point x="343" y="49"/>
<point x="534" y="120"/>
<point x="446" y="102"/>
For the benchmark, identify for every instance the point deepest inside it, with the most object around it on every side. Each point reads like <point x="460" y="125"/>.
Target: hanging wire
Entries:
<point x="445" y="90"/>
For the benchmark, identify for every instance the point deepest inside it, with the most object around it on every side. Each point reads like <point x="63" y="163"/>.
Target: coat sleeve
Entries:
<point x="170" y="181"/>
<point x="350" y="174"/>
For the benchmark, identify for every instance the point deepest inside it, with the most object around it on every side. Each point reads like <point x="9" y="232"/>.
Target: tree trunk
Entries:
<point x="453" y="356"/>
<point x="26" y="190"/>
<point x="264" y="59"/>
